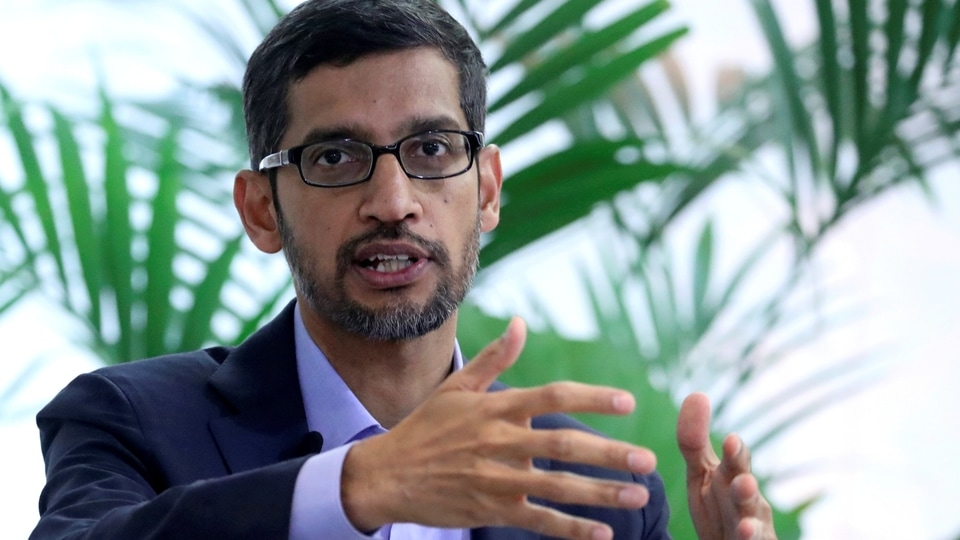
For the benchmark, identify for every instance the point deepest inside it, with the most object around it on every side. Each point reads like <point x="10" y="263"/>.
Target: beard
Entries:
<point x="401" y="319"/>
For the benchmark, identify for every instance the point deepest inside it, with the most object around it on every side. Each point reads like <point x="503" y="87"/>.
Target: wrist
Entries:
<point x="362" y="488"/>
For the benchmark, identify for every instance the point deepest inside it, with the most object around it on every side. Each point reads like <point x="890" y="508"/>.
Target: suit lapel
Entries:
<point x="259" y="380"/>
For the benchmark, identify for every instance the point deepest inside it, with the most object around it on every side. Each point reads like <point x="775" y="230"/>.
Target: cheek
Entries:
<point x="317" y="233"/>
<point x="318" y="219"/>
<point x="456" y="211"/>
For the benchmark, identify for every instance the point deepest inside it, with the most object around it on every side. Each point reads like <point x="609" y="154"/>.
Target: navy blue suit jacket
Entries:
<point x="205" y="444"/>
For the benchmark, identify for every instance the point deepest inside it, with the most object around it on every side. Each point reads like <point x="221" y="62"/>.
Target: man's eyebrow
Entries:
<point x="337" y="132"/>
<point x="433" y="122"/>
<point x="415" y="125"/>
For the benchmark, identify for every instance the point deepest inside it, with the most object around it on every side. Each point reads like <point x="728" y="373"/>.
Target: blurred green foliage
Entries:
<point x="130" y="230"/>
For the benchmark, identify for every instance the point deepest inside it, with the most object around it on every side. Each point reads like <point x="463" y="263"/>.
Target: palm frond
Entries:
<point x="848" y="127"/>
<point x="124" y="264"/>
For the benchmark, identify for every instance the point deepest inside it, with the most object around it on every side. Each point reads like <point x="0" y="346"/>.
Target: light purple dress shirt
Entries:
<point x="333" y="410"/>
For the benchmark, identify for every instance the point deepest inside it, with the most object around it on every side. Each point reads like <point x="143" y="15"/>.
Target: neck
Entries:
<point x="390" y="378"/>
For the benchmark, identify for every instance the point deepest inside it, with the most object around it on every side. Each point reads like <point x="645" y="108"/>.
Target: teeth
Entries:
<point x="389" y="263"/>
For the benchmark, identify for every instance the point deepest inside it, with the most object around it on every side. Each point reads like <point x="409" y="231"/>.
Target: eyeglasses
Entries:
<point x="430" y="155"/>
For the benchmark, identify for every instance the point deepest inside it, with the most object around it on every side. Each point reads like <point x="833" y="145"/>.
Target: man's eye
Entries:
<point x="434" y="147"/>
<point x="330" y="157"/>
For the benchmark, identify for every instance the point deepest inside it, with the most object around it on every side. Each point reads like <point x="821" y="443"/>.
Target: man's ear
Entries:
<point x="254" y="201"/>
<point x="491" y="181"/>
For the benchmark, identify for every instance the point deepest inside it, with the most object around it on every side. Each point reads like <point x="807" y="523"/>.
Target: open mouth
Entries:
<point x="388" y="263"/>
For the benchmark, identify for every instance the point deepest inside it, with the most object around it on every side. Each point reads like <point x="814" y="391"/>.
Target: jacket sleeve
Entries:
<point x="103" y="481"/>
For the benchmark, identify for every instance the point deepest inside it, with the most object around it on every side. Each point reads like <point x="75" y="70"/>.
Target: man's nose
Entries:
<point x="390" y="194"/>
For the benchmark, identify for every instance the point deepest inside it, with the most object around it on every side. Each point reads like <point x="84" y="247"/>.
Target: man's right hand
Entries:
<point x="464" y="458"/>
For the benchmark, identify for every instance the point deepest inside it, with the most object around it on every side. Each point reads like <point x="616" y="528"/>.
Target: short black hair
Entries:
<point x="339" y="32"/>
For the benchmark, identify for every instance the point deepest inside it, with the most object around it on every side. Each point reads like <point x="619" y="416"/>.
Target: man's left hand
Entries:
<point x="724" y="497"/>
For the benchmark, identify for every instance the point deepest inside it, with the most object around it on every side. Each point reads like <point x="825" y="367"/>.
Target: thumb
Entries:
<point x="693" y="436"/>
<point x="480" y="372"/>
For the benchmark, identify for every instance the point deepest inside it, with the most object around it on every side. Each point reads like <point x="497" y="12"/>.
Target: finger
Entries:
<point x="555" y="524"/>
<point x="745" y="493"/>
<point x="479" y="373"/>
<point x="693" y="437"/>
<point x="567" y="488"/>
<point x="576" y="446"/>
<point x="567" y="397"/>
<point x="755" y="513"/>
<point x="736" y="457"/>
<point x="749" y="529"/>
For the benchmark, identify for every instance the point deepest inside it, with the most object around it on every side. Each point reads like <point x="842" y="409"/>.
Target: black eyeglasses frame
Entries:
<point x="292" y="156"/>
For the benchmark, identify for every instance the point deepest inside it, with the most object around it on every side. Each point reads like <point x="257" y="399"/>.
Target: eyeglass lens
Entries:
<point x="427" y="155"/>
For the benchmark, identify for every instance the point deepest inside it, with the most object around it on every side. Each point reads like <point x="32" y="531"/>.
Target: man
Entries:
<point x="352" y="415"/>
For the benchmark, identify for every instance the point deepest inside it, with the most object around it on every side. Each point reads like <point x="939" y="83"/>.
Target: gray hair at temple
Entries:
<point x="339" y="32"/>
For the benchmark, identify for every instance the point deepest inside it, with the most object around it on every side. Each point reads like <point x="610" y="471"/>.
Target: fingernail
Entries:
<point x="623" y="402"/>
<point x="631" y="496"/>
<point x="601" y="533"/>
<point x="635" y="461"/>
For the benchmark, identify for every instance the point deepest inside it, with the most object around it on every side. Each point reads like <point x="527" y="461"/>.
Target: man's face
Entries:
<point x="393" y="257"/>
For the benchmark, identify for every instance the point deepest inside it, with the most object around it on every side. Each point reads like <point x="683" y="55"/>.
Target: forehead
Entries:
<point x="379" y="97"/>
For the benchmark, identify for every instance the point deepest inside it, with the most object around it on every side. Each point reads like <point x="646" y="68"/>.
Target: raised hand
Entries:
<point x="724" y="497"/>
<point x="464" y="457"/>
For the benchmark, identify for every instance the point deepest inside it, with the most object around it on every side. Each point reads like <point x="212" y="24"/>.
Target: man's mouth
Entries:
<point x="388" y="263"/>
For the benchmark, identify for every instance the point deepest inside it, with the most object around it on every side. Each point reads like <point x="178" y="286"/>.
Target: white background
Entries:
<point x="885" y="460"/>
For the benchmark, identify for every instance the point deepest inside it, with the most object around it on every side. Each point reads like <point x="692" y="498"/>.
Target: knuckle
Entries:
<point x="615" y="454"/>
<point x="477" y="514"/>
<point x="553" y="394"/>
<point x="493" y="404"/>
<point x="560" y="445"/>
<point x="491" y="438"/>
<point x="612" y="496"/>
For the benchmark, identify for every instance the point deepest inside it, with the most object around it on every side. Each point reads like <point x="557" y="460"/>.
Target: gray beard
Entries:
<point x="401" y="319"/>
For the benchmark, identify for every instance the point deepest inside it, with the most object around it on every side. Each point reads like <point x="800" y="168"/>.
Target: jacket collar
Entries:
<point x="259" y="382"/>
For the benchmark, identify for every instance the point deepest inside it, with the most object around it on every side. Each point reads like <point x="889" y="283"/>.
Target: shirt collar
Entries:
<point x="331" y="407"/>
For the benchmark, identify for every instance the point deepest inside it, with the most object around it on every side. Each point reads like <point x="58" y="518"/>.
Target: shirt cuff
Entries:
<point x="317" y="510"/>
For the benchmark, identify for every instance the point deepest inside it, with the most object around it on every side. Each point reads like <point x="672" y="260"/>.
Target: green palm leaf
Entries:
<point x="565" y="187"/>
<point x="845" y="128"/>
<point x="121" y="227"/>
<point x="117" y="234"/>
<point x="163" y="248"/>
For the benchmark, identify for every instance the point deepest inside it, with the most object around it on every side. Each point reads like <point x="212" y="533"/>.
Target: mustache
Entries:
<point x="345" y="254"/>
